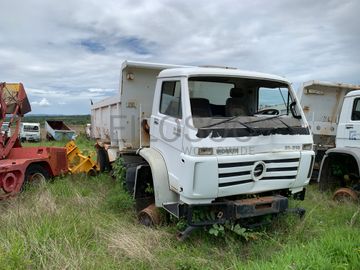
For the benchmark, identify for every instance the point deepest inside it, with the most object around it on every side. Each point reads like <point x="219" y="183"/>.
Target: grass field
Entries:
<point x="75" y="222"/>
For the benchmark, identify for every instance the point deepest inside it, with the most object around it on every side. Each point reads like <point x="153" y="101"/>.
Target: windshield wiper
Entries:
<point x="221" y="122"/>
<point x="291" y="130"/>
<point x="232" y="119"/>
<point x="265" y="119"/>
<point x="274" y="117"/>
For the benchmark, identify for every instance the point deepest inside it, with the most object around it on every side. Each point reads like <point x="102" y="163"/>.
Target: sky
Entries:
<point x="69" y="52"/>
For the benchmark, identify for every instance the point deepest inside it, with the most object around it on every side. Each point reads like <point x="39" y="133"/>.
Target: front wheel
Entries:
<point x="150" y="216"/>
<point x="345" y="194"/>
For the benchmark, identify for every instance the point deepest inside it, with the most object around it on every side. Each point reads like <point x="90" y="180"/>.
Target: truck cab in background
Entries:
<point x="340" y="167"/>
<point x="229" y="142"/>
<point x="322" y="103"/>
<point x="30" y="132"/>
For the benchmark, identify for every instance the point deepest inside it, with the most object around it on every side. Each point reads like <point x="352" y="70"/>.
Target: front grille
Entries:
<point x="237" y="173"/>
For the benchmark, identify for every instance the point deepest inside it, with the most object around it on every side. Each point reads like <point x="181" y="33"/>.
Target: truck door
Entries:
<point x="349" y="126"/>
<point x="167" y="126"/>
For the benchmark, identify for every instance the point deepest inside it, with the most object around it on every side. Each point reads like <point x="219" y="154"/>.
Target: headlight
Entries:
<point x="307" y="146"/>
<point x="205" y="151"/>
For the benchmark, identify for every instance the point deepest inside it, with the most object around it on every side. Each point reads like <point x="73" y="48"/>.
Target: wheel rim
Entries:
<point x="345" y="194"/>
<point x="37" y="178"/>
<point x="150" y="216"/>
<point x="9" y="183"/>
<point x="145" y="220"/>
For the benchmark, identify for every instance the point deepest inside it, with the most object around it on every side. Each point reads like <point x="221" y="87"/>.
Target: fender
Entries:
<point x="324" y="172"/>
<point x="160" y="176"/>
<point x="351" y="151"/>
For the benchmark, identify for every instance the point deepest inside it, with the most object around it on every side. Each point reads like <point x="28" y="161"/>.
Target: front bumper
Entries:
<point x="220" y="212"/>
<point x="31" y="138"/>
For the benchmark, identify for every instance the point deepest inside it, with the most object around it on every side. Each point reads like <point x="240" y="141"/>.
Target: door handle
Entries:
<point x="156" y="121"/>
<point x="177" y="131"/>
<point x="349" y="126"/>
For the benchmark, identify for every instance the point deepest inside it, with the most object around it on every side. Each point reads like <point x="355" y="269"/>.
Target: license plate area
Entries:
<point x="260" y="206"/>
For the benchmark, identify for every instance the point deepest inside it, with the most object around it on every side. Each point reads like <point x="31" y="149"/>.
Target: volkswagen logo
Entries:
<point x="258" y="170"/>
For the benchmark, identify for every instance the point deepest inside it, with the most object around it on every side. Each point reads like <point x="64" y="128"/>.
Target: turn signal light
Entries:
<point x="307" y="146"/>
<point x="205" y="151"/>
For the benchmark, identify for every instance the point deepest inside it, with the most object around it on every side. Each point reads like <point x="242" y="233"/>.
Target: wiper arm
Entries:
<point x="265" y="119"/>
<point x="288" y="127"/>
<point x="275" y="117"/>
<point x="221" y="122"/>
<point x="248" y="128"/>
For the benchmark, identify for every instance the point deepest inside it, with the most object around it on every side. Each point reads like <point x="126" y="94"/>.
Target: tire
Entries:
<point x="35" y="174"/>
<point x="130" y="179"/>
<point x="103" y="160"/>
<point x="91" y="173"/>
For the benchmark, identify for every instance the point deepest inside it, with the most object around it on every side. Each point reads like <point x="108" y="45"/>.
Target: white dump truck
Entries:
<point x="322" y="102"/>
<point x="229" y="142"/>
<point x="340" y="167"/>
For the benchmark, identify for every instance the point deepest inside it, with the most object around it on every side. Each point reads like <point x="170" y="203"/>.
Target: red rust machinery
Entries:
<point x="22" y="165"/>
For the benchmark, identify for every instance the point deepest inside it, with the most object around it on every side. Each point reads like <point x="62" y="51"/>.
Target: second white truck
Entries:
<point x="322" y="103"/>
<point x="228" y="142"/>
<point x="340" y="166"/>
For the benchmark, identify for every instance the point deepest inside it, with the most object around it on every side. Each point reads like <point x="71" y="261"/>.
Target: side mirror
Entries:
<point x="293" y="110"/>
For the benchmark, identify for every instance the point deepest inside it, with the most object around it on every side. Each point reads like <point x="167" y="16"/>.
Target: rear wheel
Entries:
<point x="35" y="174"/>
<point x="103" y="160"/>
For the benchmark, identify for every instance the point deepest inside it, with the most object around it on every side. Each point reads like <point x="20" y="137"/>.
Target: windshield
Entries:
<point x="31" y="128"/>
<point x="248" y="104"/>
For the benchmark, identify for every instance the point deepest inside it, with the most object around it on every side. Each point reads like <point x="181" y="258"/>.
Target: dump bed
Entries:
<point x="58" y="130"/>
<point x="322" y="102"/>
<point x="118" y="120"/>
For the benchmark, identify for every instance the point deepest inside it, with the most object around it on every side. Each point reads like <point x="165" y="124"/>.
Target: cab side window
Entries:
<point x="170" y="100"/>
<point x="355" y="115"/>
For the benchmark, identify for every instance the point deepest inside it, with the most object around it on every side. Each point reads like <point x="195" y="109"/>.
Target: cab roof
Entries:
<point x="219" y="72"/>
<point x="353" y="93"/>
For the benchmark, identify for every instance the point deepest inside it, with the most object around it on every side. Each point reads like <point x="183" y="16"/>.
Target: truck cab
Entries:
<point x="225" y="132"/>
<point x="348" y="133"/>
<point x="341" y="165"/>
<point x="30" y="132"/>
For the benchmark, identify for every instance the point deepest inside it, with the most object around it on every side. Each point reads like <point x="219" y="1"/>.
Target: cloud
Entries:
<point x="73" y="52"/>
<point x="42" y="103"/>
<point x="99" y="90"/>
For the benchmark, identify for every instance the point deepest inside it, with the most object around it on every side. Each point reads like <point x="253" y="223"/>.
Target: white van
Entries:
<point x="30" y="132"/>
